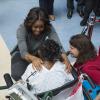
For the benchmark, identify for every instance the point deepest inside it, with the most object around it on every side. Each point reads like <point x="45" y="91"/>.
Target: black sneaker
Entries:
<point x="83" y="22"/>
<point x="69" y="14"/>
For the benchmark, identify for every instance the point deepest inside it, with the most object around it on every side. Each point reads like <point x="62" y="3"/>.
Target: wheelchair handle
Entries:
<point x="84" y="30"/>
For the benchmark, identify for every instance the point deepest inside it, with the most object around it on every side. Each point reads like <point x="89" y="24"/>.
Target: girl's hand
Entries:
<point x="68" y="66"/>
<point x="66" y="62"/>
<point x="37" y="63"/>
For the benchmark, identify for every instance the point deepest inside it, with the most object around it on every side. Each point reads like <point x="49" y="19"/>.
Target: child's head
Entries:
<point x="37" y="21"/>
<point x="82" y="48"/>
<point x="49" y="50"/>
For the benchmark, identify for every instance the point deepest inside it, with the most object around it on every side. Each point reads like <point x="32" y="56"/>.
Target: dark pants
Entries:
<point x="18" y="66"/>
<point x="97" y="8"/>
<point x="70" y="4"/>
<point x="88" y="7"/>
<point x="47" y="5"/>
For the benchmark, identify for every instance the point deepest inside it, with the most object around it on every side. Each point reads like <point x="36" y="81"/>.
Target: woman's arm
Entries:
<point x="22" y="45"/>
<point x="92" y="68"/>
<point x="21" y="39"/>
<point x="93" y="72"/>
<point x="36" y="62"/>
<point x="66" y="62"/>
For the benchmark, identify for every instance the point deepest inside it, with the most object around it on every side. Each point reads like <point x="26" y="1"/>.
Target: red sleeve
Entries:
<point x="94" y="75"/>
<point x="92" y="69"/>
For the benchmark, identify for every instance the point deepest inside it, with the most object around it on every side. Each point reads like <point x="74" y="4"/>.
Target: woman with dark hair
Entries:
<point x="35" y="30"/>
<point x="53" y="73"/>
<point x="87" y="60"/>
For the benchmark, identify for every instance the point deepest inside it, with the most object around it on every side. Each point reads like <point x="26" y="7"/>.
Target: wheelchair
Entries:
<point x="88" y="29"/>
<point x="19" y="91"/>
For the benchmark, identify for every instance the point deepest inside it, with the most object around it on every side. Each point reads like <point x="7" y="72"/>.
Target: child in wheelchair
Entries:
<point x="53" y="73"/>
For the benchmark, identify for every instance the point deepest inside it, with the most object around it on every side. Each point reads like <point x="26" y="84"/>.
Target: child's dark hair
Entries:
<point x="49" y="50"/>
<point x="85" y="47"/>
<point x="35" y="14"/>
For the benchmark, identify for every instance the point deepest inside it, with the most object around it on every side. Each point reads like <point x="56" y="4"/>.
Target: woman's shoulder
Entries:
<point x="92" y="64"/>
<point x="21" y="26"/>
<point x="95" y="59"/>
<point x="21" y="29"/>
<point x="50" y="30"/>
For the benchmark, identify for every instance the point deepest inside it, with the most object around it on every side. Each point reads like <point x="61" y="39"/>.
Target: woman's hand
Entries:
<point x="66" y="62"/>
<point x="37" y="63"/>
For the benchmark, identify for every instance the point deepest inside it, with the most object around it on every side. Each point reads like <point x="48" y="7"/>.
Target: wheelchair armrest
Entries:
<point x="3" y="87"/>
<point x="86" y="77"/>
